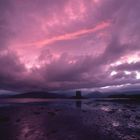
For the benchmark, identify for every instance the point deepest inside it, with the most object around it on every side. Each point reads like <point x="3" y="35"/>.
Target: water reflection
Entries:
<point x="31" y="126"/>
<point x="78" y="103"/>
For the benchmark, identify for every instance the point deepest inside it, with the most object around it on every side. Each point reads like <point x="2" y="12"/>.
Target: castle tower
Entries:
<point x="78" y="94"/>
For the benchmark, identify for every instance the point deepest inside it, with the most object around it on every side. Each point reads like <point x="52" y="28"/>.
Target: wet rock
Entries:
<point x="87" y="103"/>
<point x="4" y="119"/>
<point x="36" y="113"/>
<point x="51" y="113"/>
<point x="127" y="137"/>
<point x="84" y="111"/>
<point x="52" y="132"/>
<point x="42" y="108"/>
<point x="133" y="110"/>
<point x="126" y="116"/>
<point x="124" y="109"/>
<point x="58" y="110"/>
<point x="138" y="117"/>
<point x="18" y="120"/>
<point x="112" y="111"/>
<point x="130" y="106"/>
<point x="29" y="133"/>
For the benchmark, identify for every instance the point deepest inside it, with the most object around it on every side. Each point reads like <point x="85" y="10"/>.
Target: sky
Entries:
<point x="69" y="44"/>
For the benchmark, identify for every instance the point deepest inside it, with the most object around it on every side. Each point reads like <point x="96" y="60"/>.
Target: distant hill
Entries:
<point x="127" y="94"/>
<point x="134" y="96"/>
<point x="122" y="94"/>
<point x="5" y="96"/>
<point x="39" y="95"/>
<point x="95" y="94"/>
<point x="131" y="92"/>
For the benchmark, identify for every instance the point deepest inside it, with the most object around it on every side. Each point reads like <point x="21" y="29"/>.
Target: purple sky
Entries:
<point x="69" y="44"/>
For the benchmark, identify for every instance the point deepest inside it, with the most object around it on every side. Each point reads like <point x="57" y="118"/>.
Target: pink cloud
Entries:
<point x="68" y="44"/>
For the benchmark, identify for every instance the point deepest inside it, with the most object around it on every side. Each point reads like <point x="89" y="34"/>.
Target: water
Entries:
<point x="60" y="118"/>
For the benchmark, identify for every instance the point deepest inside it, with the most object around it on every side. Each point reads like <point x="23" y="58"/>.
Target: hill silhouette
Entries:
<point x="39" y="94"/>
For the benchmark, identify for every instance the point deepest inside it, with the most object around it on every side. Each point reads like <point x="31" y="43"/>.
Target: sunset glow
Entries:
<point x="68" y="44"/>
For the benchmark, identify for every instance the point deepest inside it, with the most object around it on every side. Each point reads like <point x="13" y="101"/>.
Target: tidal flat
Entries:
<point x="40" y="119"/>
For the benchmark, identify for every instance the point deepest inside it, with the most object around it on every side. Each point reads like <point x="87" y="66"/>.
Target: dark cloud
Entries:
<point x="11" y="70"/>
<point x="14" y="76"/>
<point x="128" y="67"/>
